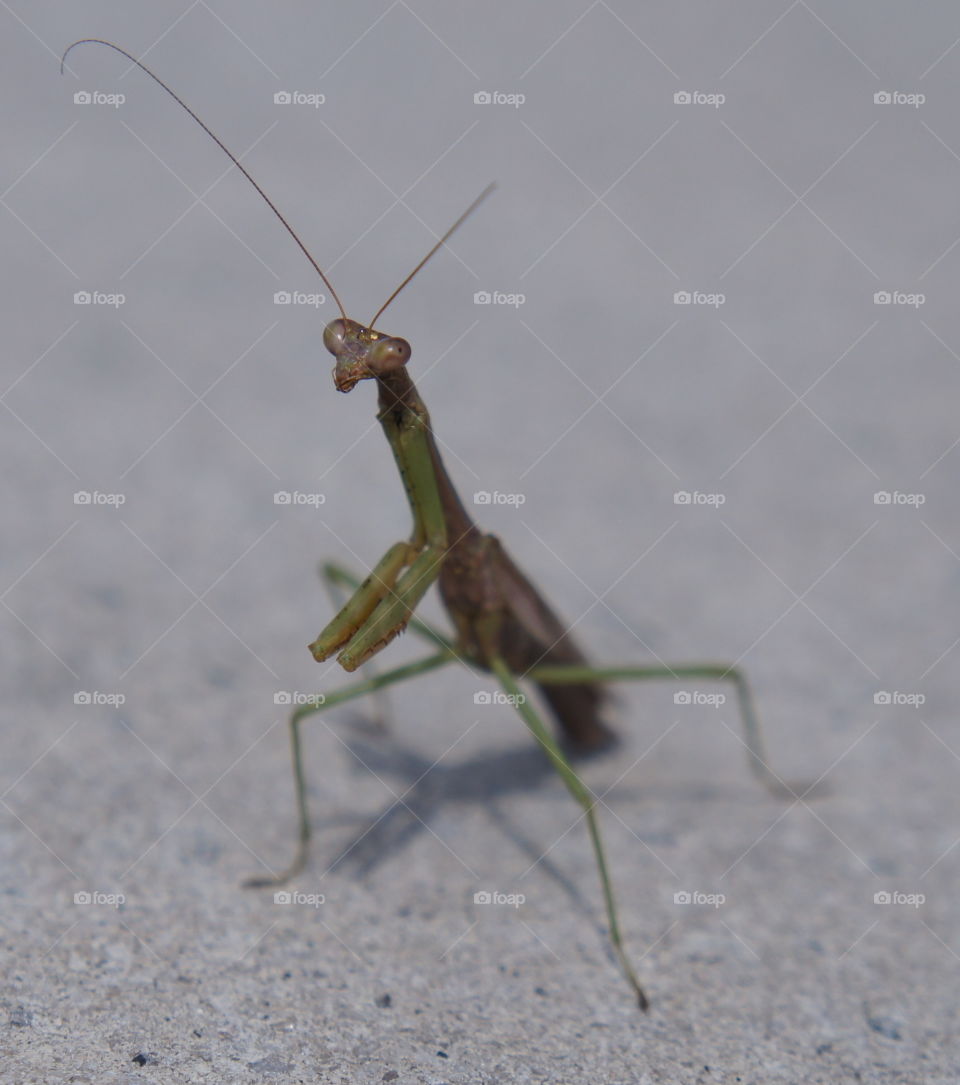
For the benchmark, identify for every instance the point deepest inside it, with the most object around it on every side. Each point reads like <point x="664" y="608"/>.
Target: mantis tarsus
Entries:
<point x="502" y="624"/>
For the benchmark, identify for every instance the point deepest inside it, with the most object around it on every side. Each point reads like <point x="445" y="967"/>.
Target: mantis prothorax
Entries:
<point x="501" y="623"/>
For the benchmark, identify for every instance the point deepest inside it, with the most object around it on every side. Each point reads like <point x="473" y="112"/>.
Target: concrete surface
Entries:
<point x="797" y="399"/>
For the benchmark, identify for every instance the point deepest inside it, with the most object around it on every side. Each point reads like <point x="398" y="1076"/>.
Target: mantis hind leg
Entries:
<point x="320" y="704"/>
<point x="582" y="794"/>
<point x="716" y="672"/>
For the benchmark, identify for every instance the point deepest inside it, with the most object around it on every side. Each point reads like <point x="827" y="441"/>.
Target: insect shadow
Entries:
<point x="422" y="787"/>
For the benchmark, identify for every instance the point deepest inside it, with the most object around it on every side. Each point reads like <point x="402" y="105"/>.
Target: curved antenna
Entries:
<point x="476" y="203"/>
<point x="226" y="150"/>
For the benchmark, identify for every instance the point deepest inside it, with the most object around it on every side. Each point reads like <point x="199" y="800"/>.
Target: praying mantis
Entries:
<point x="502" y="625"/>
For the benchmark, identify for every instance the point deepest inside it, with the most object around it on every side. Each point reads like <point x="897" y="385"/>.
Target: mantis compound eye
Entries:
<point x="333" y="336"/>
<point x="389" y="355"/>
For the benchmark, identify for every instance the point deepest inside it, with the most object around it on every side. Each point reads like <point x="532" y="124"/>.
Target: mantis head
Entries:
<point x="362" y="353"/>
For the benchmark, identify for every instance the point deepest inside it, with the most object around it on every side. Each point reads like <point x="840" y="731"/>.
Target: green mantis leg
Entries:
<point x="348" y="693"/>
<point x="335" y="573"/>
<point x="381" y="606"/>
<point x="337" y="580"/>
<point x="718" y="672"/>
<point x="339" y="588"/>
<point x="384" y="603"/>
<point x="395" y="610"/>
<point x="365" y="599"/>
<point x="580" y="792"/>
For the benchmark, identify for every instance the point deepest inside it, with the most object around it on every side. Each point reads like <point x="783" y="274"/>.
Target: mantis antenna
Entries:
<point x="476" y="203"/>
<point x="266" y="199"/>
